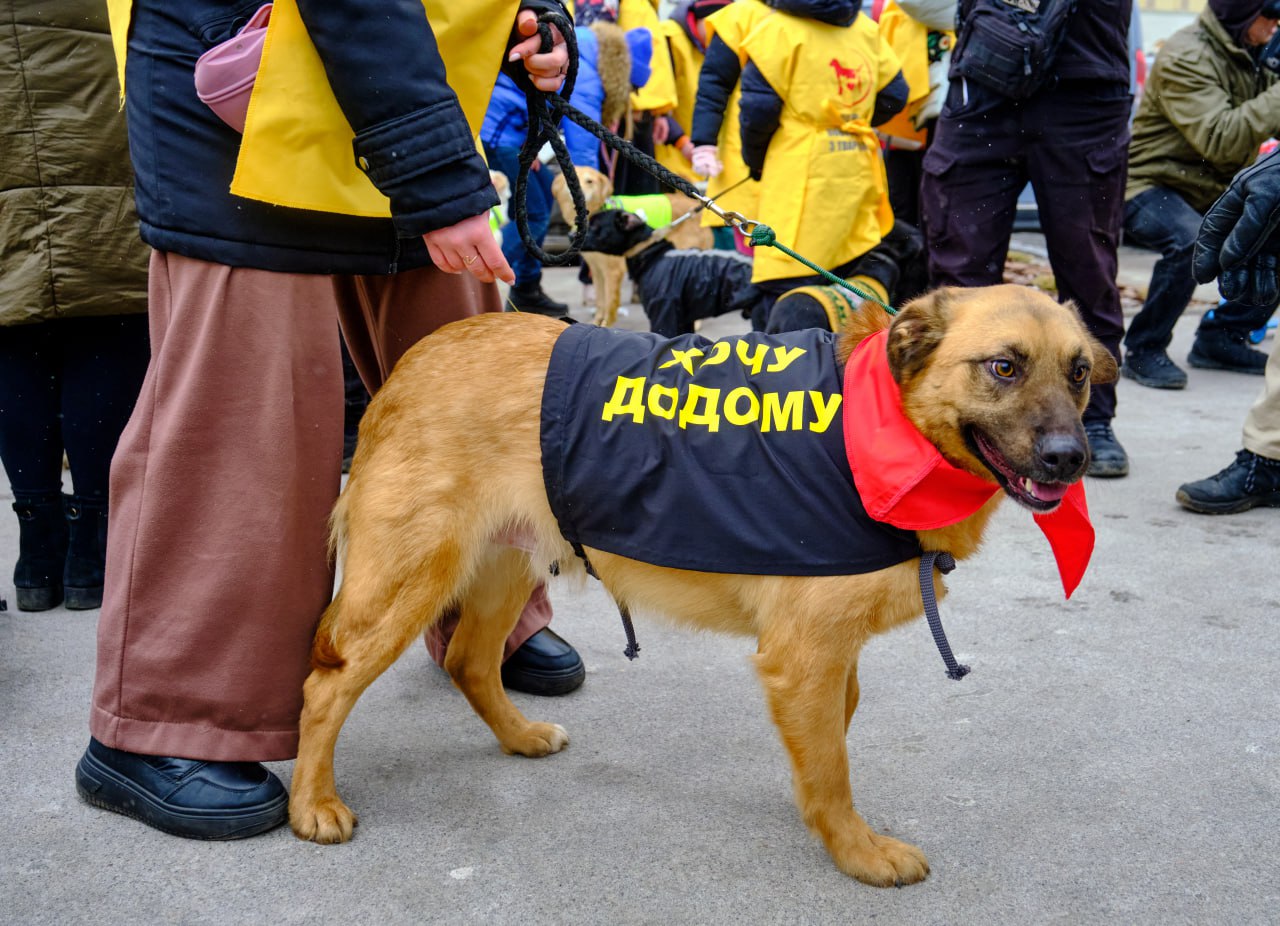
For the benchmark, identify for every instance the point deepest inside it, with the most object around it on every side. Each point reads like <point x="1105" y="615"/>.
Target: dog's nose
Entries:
<point x="1061" y="455"/>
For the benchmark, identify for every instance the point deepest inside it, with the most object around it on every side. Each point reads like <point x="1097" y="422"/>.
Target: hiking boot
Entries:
<point x="529" y="297"/>
<point x="1250" y="482"/>
<point x="1154" y="369"/>
<point x="1224" y="349"/>
<point x="1107" y="458"/>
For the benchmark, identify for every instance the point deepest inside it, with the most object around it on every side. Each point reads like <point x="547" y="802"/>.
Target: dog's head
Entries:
<point x="997" y="378"/>
<point x="596" y="188"/>
<point x="615" y="231"/>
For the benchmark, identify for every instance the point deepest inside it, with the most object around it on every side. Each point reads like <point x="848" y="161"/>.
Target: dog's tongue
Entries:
<point x="1046" y="491"/>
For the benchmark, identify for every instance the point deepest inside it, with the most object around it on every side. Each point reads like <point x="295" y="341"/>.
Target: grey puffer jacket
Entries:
<point x="69" y="243"/>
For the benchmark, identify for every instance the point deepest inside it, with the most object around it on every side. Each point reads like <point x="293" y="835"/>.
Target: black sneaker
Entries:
<point x="183" y="797"/>
<point x="1154" y="369"/>
<point x="544" y="665"/>
<point x="1223" y="349"/>
<point x="1250" y="482"/>
<point x="1107" y="458"/>
<point x="529" y="297"/>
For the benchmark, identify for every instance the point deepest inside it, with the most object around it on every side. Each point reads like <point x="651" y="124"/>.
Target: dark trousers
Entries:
<point x="1070" y="142"/>
<point x="68" y="384"/>
<point x="1161" y="220"/>
<point x="527" y="268"/>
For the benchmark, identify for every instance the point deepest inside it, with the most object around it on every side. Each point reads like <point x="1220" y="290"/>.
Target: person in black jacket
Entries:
<point x="1237" y="245"/>
<point x="217" y="568"/>
<point x="1070" y="141"/>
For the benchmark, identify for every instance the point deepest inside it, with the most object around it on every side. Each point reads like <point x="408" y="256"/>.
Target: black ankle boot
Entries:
<point x="529" y="297"/>
<point x="86" y="551"/>
<point x="42" y="551"/>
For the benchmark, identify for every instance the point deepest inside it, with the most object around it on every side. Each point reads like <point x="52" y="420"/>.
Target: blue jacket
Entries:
<point x="386" y="73"/>
<point x="506" y="121"/>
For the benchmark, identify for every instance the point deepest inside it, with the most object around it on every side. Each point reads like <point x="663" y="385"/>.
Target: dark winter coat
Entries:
<point x="69" y="244"/>
<point x="1207" y="108"/>
<point x="387" y="75"/>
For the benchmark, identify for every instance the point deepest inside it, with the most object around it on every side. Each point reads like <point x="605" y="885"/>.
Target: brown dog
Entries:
<point x="447" y="510"/>
<point x="608" y="270"/>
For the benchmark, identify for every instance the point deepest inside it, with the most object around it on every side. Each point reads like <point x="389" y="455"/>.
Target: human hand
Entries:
<point x="1238" y="240"/>
<point x="686" y="149"/>
<point x="660" y="130"/>
<point x="469" y="246"/>
<point x="706" y="161"/>
<point x="546" y="70"/>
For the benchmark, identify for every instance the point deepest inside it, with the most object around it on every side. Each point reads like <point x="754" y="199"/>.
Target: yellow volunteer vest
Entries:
<point x="296" y="149"/>
<point x="686" y="63"/>
<point x="824" y="190"/>
<point x="658" y="95"/>
<point x="909" y="40"/>
<point x="733" y="23"/>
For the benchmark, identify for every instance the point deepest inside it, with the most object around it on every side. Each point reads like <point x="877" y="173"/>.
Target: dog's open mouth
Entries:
<point x="1038" y="496"/>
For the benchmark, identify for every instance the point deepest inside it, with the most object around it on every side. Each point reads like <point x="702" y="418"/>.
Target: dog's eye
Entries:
<point x="1003" y="369"/>
<point x="1080" y="374"/>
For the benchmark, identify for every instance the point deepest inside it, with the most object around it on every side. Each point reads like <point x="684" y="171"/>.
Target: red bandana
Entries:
<point x="903" y="480"/>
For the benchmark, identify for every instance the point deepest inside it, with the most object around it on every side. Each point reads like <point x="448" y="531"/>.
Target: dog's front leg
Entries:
<point x="812" y="690"/>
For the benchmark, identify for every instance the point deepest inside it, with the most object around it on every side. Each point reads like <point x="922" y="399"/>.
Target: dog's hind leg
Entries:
<point x="489" y="610"/>
<point x="315" y="810"/>
<point x="366" y="627"/>
<point x="811" y="685"/>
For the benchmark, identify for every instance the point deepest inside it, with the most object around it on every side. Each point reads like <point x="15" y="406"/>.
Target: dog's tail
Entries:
<point x="324" y="649"/>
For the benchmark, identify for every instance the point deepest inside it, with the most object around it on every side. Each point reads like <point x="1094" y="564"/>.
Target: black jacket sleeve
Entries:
<point x="891" y="100"/>
<point x="412" y="138"/>
<point x="716" y="80"/>
<point x="761" y="112"/>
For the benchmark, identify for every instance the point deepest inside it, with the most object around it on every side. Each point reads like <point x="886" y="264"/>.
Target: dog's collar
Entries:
<point x="903" y="480"/>
<point x="657" y="237"/>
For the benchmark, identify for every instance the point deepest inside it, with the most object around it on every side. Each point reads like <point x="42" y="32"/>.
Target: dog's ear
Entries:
<point x="606" y="186"/>
<point x="916" y="331"/>
<point x="1105" y="369"/>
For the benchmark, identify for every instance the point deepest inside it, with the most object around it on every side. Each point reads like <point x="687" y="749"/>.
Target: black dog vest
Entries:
<point x="718" y="456"/>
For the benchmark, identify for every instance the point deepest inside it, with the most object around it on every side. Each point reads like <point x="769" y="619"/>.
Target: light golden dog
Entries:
<point x="447" y="475"/>
<point x="608" y="271"/>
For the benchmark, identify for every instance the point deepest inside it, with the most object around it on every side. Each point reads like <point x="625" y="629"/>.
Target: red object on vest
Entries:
<point x="904" y="481"/>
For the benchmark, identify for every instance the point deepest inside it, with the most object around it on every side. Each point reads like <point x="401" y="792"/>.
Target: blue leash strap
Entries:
<point x="945" y="563"/>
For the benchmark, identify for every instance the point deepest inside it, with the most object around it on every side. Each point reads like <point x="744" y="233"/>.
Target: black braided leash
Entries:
<point x="945" y="563"/>
<point x="545" y="112"/>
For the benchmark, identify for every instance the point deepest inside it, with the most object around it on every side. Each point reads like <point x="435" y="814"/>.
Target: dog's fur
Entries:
<point x="608" y="271"/>
<point x="446" y="511"/>
<point x="677" y="287"/>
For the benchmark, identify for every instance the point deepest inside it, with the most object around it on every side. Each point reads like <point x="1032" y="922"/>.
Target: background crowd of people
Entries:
<point x="195" y="347"/>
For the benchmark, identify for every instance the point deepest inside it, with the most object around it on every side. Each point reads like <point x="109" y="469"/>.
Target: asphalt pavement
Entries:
<point x="1114" y="758"/>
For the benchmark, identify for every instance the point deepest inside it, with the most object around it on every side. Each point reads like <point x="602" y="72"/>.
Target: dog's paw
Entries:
<point x="883" y="861"/>
<point x="325" y="821"/>
<point x="538" y="739"/>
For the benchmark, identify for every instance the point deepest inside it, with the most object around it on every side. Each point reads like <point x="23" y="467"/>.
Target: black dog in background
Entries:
<point x="676" y="287"/>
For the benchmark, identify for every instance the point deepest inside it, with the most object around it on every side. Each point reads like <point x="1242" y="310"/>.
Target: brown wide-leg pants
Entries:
<point x="221" y="487"/>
